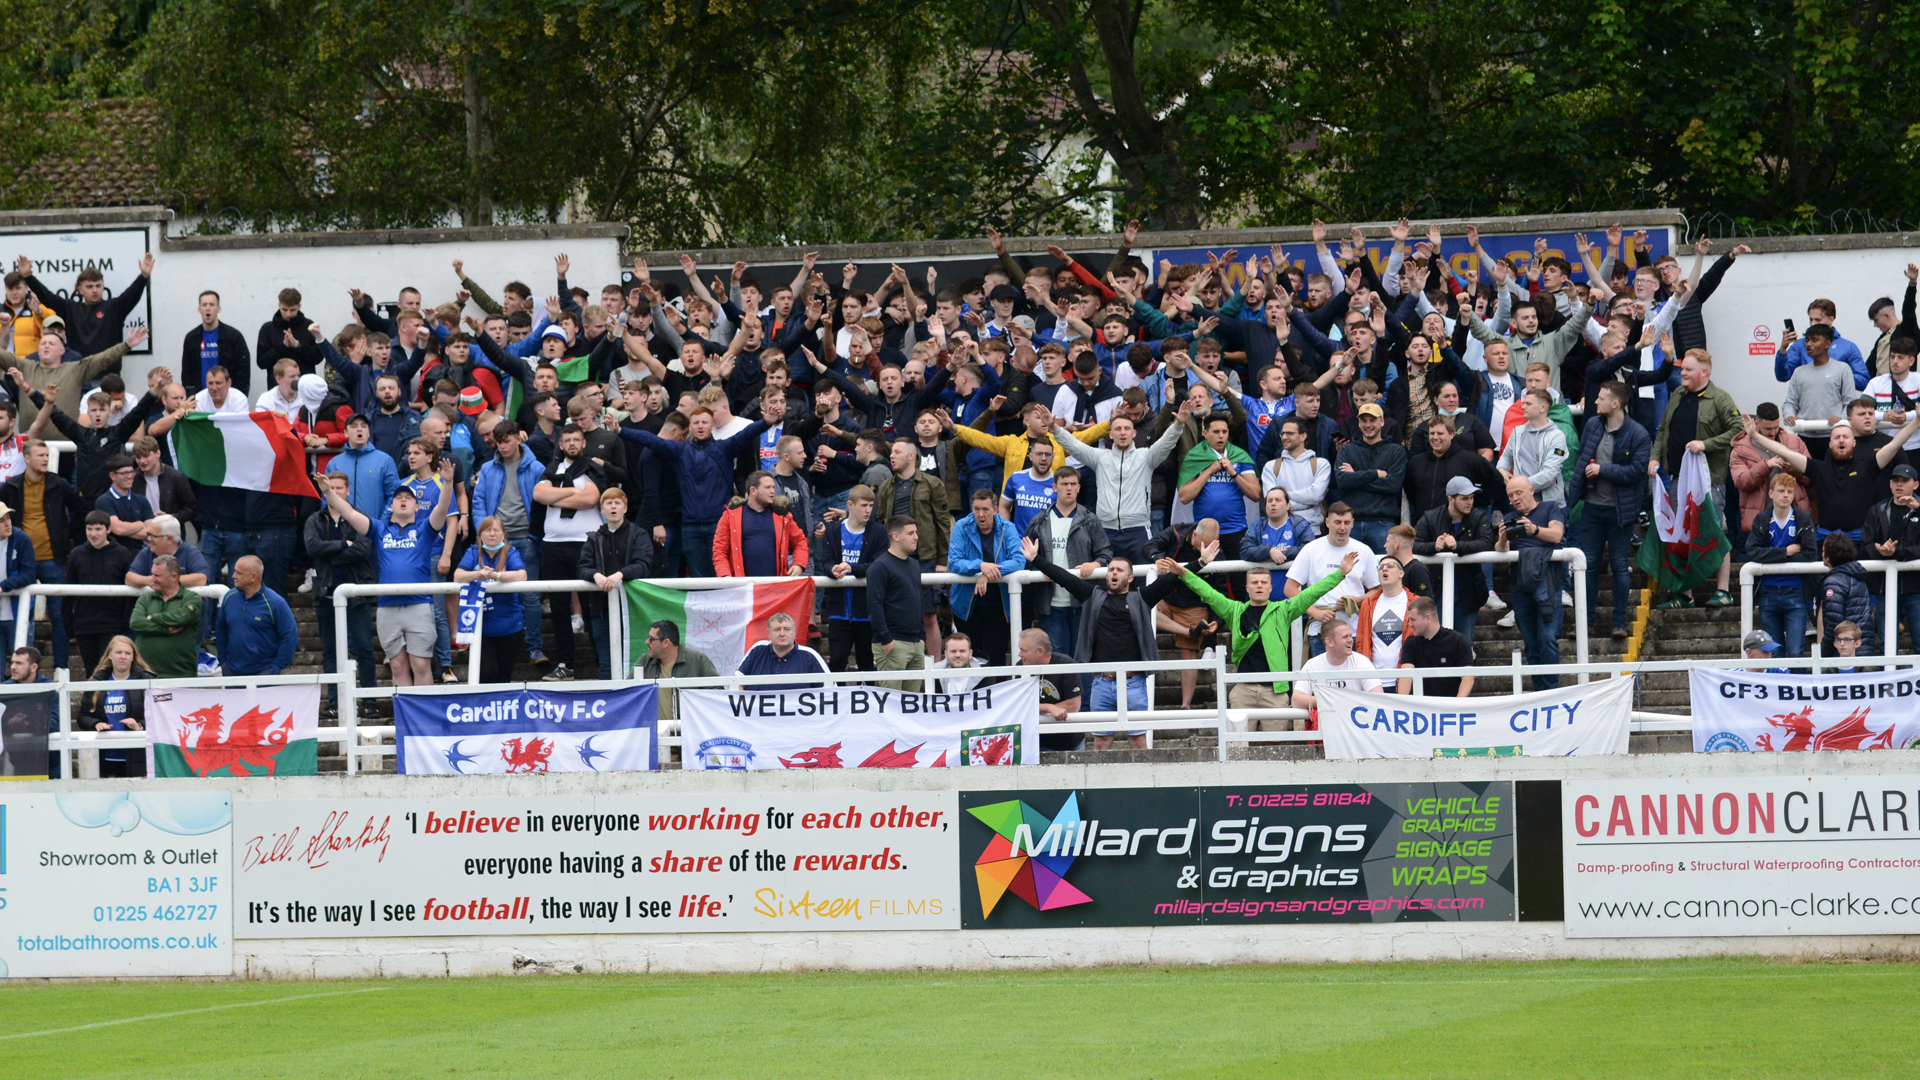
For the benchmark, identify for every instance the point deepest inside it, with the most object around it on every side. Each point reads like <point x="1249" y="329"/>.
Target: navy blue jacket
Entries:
<point x="1632" y="448"/>
<point x="1846" y="595"/>
<point x="706" y="468"/>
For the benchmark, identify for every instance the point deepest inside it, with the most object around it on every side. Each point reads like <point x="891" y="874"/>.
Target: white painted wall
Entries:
<point x="1762" y="289"/>
<point x="249" y="281"/>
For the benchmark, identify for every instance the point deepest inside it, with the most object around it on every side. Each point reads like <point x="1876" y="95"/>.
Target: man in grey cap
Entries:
<point x="1759" y="645"/>
<point x="1892" y="531"/>
<point x="1461" y="528"/>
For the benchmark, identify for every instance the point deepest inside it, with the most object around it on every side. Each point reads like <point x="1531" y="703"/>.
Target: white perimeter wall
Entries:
<point x="998" y="949"/>
<point x="1762" y="289"/>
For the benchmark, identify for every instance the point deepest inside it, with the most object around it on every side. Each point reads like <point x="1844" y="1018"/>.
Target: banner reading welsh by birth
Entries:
<point x="234" y="731"/>
<point x="861" y="727"/>
<point x="528" y="731"/>
<point x="1735" y="710"/>
<point x="1590" y="718"/>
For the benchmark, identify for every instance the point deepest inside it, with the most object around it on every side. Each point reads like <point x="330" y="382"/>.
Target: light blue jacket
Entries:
<point x="372" y="478"/>
<point x="493" y="476"/>
<point x="965" y="554"/>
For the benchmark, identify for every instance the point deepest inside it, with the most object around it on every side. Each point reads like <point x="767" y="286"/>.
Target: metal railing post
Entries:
<point x="1747" y="572"/>
<point x="1579" y="560"/>
<point x="1448" y="561"/>
<point x="350" y="688"/>
<point x="1219" y="703"/>
<point x="1892" y="612"/>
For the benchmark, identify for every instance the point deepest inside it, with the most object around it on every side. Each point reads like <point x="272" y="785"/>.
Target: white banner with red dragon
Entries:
<point x="861" y="727"/>
<point x="1736" y="710"/>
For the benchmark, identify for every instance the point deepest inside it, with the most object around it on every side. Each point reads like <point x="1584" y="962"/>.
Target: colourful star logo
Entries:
<point x="1039" y="879"/>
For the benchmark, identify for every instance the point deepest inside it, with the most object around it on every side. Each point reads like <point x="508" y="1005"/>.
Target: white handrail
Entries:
<point x="1890" y="633"/>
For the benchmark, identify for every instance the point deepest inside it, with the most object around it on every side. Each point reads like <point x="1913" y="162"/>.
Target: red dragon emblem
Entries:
<point x="993" y="749"/>
<point x="248" y="748"/>
<point x="820" y="757"/>
<point x="891" y="756"/>
<point x="530" y="758"/>
<point x="1849" y="734"/>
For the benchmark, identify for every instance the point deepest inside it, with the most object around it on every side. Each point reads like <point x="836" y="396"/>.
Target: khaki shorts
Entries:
<point x="407" y="628"/>
<point x="1188" y="617"/>
<point x="1260" y="695"/>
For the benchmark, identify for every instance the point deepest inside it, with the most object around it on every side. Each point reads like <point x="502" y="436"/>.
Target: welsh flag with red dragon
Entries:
<point x="1687" y="542"/>
<point x="259" y="731"/>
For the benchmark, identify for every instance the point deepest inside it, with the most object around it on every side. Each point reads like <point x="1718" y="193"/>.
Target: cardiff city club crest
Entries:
<point x="724" y="754"/>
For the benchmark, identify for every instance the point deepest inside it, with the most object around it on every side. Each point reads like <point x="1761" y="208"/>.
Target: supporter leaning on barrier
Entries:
<point x="253" y="626"/>
<point x="985" y="544"/>
<point x="1846" y="595"/>
<point x="1116" y="626"/>
<point x="1461" y="528"/>
<point x="166" y="623"/>
<point x="667" y="659"/>
<point x="342" y="555"/>
<point x="1262" y="630"/>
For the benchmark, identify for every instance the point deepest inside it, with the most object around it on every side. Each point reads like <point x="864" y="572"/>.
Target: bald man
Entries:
<point x="253" y="628"/>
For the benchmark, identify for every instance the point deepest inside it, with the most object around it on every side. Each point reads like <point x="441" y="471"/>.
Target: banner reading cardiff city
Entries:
<point x="1590" y="718"/>
<point x="528" y="731"/>
<point x="861" y="727"/>
<point x="1341" y="853"/>
<point x="1750" y="710"/>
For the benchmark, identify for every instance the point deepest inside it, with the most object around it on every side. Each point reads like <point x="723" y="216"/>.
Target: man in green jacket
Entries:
<point x="1701" y="418"/>
<point x="1262" y="632"/>
<point x="166" y="623"/>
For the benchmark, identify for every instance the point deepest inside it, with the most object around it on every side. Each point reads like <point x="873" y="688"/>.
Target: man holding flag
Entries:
<point x="1687" y="541"/>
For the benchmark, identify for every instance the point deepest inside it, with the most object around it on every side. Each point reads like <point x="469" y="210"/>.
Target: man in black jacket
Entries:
<point x="618" y="551"/>
<point x="1432" y="468"/>
<point x="1893" y="532"/>
<point x="49" y="530"/>
<point x="94" y="441"/>
<point x="894" y="603"/>
<point x="272" y="346"/>
<point x="94" y="323"/>
<point x="214" y="344"/>
<point x="167" y="489"/>
<point x="1116" y="625"/>
<point x="99" y="561"/>
<point x="342" y="555"/>
<point x="1462" y="528"/>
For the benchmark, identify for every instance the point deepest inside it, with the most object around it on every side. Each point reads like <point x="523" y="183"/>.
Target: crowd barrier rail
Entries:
<point x="1230" y="727"/>
<point x="1890" y="601"/>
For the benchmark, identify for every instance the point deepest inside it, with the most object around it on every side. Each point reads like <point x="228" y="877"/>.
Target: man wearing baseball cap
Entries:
<point x="1461" y="528"/>
<point x="1759" y="645"/>
<point x="1369" y="474"/>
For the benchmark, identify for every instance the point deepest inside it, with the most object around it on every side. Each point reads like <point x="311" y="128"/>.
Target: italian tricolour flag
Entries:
<point x="722" y="623"/>
<point x="257" y="451"/>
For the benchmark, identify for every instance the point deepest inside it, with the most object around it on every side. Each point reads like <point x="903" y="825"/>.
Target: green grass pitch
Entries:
<point x="1699" y="1018"/>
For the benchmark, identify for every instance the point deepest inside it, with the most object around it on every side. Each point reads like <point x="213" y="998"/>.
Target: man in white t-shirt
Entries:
<point x="1889" y="405"/>
<point x="1383" y="617"/>
<point x="1338" y="657"/>
<point x="219" y="395"/>
<point x="1322" y="557"/>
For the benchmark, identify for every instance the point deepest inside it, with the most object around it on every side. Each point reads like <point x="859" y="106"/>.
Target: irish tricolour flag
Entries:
<point x="723" y="623"/>
<point x="257" y="451"/>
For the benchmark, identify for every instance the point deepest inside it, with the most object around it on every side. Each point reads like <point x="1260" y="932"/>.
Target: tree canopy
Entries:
<point x="706" y="122"/>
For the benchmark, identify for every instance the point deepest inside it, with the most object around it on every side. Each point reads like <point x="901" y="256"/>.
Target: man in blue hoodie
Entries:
<point x="705" y="466"/>
<point x="371" y="474"/>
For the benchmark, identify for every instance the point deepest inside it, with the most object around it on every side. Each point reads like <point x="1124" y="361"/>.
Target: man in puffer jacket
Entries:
<point x="1846" y="596"/>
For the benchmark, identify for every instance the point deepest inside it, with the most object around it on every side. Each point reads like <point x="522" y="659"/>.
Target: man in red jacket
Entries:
<point x="755" y="539"/>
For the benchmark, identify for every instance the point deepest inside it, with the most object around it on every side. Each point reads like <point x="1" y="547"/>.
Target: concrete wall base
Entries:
<point x="999" y="950"/>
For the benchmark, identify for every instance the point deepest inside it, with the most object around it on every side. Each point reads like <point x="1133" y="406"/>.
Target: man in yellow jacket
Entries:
<point x="1012" y="449"/>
